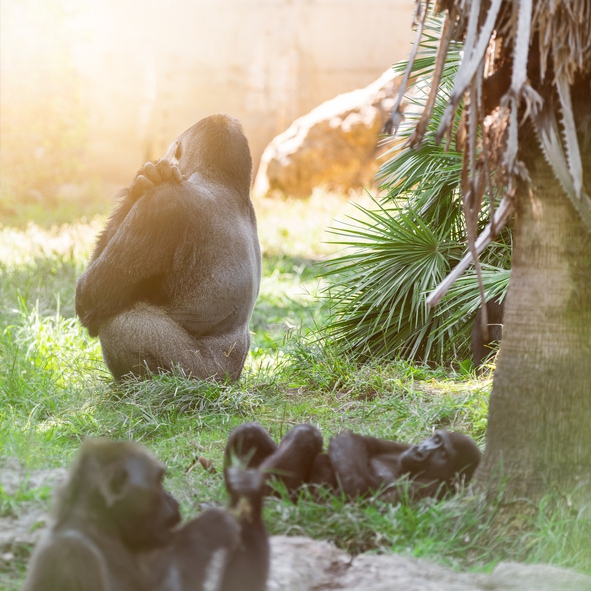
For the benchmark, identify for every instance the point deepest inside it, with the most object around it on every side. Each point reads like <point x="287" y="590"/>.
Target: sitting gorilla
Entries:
<point x="355" y="464"/>
<point x="176" y="272"/>
<point x="115" y="528"/>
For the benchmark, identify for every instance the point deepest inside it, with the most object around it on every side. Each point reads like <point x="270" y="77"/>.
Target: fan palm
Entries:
<point x="400" y="249"/>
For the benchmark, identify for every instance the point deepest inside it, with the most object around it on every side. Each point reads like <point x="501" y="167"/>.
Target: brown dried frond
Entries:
<point x="564" y="36"/>
<point x="504" y="40"/>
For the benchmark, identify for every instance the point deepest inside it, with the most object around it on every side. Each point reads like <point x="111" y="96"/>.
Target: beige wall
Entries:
<point x="151" y="68"/>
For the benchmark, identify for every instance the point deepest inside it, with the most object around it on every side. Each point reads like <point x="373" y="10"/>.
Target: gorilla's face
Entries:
<point x="431" y="456"/>
<point x="442" y="456"/>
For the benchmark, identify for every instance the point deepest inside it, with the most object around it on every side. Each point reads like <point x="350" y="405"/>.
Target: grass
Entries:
<point x="55" y="390"/>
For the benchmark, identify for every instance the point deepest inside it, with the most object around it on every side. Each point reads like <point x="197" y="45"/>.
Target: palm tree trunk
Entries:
<point x="539" y="425"/>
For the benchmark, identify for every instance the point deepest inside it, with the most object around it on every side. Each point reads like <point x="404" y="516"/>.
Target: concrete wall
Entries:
<point x="151" y="68"/>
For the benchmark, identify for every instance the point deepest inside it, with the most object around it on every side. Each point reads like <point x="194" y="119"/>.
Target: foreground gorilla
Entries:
<point x="116" y="529"/>
<point x="175" y="274"/>
<point x="355" y="464"/>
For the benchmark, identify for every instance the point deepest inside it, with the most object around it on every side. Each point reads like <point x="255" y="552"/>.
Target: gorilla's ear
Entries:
<point x="113" y="483"/>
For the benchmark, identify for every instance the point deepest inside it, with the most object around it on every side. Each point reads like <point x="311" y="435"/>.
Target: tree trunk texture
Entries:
<point x="539" y="424"/>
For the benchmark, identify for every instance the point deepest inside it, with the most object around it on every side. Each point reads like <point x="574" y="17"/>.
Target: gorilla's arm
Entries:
<point x="247" y="568"/>
<point x="198" y="552"/>
<point x="133" y="262"/>
<point x="383" y="447"/>
<point x="350" y="455"/>
<point x="147" y="176"/>
<point x="363" y="464"/>
<point x="115" y="221"/>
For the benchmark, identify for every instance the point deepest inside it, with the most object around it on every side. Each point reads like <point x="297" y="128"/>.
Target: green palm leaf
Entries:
<point x="397" y="251"/>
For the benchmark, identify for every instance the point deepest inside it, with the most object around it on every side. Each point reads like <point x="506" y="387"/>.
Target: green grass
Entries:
<point x="55" y="390"/>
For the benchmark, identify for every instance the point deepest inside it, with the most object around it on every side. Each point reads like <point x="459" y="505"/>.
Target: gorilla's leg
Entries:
<point x="322" y="472"/>
<point x="145" y="339"/>
<point x="293" y="461"/>
<point x="250" y="444"/>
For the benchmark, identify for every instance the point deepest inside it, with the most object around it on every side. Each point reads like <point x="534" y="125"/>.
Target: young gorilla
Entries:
<point x="115" y="530"/>
<point x="355" y="464"/>
<point x="176" y="272"/>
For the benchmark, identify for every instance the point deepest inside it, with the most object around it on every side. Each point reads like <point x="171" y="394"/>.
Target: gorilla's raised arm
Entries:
<point x="136" y="259"/>
<point x="146" y="178"/>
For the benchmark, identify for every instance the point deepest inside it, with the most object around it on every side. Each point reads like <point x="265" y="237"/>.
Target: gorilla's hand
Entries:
<point x="154" y="174"/>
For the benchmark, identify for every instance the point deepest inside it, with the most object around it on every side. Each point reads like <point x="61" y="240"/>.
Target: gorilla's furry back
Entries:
<point x="176" y="272"/>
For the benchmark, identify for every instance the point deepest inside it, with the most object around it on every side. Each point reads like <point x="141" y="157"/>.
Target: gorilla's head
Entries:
<point x="215" y="147"/>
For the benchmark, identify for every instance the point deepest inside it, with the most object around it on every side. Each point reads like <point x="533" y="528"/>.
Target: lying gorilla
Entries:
<point x="355" y="464"/>
<point x="176" y="272"/>
<point x="116" y="529"/>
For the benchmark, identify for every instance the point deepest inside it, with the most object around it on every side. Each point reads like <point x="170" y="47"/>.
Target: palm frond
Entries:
<point x="397" y="251"/>
<point x="379" y="290"/>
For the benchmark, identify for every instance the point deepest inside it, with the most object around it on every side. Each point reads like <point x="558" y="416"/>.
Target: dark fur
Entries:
<point x="176" y="272"/>
<point x="247" y="568"/>
<point x="355" y="464"/>
<point x="481" y="347"/>
<point x="228" y="551"/>
<point x="115" y="530"/>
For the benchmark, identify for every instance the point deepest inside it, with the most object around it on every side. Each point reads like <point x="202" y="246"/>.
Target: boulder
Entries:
<point x="303" y="564"/>
<point x="335" y="146"/>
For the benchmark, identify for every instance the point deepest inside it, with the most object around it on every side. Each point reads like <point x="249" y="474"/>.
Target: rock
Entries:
<point x="302" y="564"/>
<point x="14" y="476"/>
<point x="512" y="576"/>
<point x="335" y="146"/>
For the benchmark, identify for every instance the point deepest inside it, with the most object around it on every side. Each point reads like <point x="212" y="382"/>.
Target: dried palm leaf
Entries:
<point x="560" y="32"/>
<point x="570" y="134"/>
<point x="485" y="238"/>
<point x="474" y="52"/>
<point x="396" y="116"/>
<point x="446" y="35"/>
